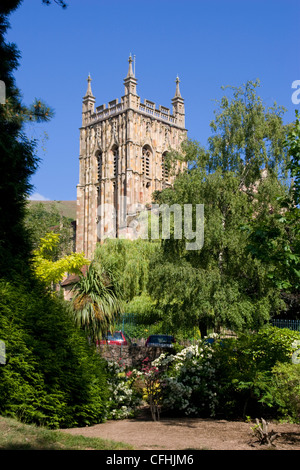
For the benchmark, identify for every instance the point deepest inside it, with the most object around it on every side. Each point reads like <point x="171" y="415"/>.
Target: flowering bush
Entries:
<point x="188" y="380"/>
<point x="229" y="376"/>
<point x="253" y="373"/>
<point x="124" y="395"/>
<point x="152" y="387"/>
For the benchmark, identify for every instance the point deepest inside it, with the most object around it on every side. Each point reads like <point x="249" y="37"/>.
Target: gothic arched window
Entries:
<point x="99" y="167"/>
<point x="164" y="167"/>
<point x="146" y="157"/>
<point x="115" y="152"/>
<point x="99" y="176"/>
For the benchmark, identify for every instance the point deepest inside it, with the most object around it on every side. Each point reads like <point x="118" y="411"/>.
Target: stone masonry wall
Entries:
<point x="131" y="356"/>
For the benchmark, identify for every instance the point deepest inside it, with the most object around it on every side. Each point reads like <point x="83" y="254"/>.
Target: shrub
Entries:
<point x="153" y="387"/>
<point x="233" y="376"/>
<point x="244" y="368"/>
<point x="125" y="396"/>
<point x="52" y="376"/>
<point x="189" y="382"/>
<point x="284" y="392"/>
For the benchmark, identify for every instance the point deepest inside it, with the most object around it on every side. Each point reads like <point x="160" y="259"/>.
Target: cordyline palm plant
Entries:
<point x="97" y="303"/>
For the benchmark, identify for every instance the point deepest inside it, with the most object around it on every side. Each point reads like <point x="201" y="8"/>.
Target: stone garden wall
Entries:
<point x="132" y="355"/>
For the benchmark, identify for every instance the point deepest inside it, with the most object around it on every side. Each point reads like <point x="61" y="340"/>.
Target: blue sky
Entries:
<point x="208" y="43"/>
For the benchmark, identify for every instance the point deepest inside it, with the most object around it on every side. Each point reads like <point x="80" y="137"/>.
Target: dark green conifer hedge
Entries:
<point x="52" y="377"/>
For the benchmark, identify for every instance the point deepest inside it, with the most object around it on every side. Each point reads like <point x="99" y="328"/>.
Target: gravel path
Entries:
<point x="189" y="433"/>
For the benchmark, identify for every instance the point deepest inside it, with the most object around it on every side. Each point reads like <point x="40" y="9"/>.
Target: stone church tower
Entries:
<point x="122" y="150"/>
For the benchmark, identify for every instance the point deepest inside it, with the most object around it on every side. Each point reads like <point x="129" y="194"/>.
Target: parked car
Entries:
<point x="117" y="337"/>
<point x="160" y="341"/>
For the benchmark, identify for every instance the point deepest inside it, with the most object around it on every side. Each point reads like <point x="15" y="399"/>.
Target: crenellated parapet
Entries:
<point x="123" y="145"/>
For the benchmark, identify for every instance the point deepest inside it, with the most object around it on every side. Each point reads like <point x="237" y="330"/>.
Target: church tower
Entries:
<point x="121" y="163"/>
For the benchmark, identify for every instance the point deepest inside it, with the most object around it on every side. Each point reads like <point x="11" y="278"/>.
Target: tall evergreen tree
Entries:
<point x="18" y="160"/>
<point x="51" y="376"/>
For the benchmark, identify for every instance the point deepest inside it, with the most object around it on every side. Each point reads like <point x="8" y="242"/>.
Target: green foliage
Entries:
<point x="292" y="144"/>
<point x="247" y="136"/>
<point x="188" y="381"/>
<point x="222" y="284"/>
<point x="128" y="260"/>
<point x="284" y="391"/>
<point x="52" y="272"/>
<point x="276" y="240"/>
<point x="153" y="387"/>
<point x="97" y="302"/>
<point x="125" y="396"/>
<point x="41" y="219"/>
<point x="144" y="309"/>
<point x="244" y="368"/>
<point x="233" y="377"/>
<point x="18" y="159"/>
<point x="18" y="436"/>
<point x="52" y="377"/>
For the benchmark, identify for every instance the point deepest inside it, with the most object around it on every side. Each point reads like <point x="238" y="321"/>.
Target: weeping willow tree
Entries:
<point x="238" y="177"/>
<point x="128" y="261"/>
<point x="97" y="303"/>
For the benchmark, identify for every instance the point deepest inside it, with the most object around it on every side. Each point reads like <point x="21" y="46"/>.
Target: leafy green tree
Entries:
<point x="51" y="271"/>
<point x="247" y="136"/>
<point x="276" y="241"/>
<point x="18" y="159"/>
<point x="97" y="303"/>
<point x="250" y="374"/>
<point x="245" y="369"/>
<point x="129" y="260"/>
<point x="293" y="145"/>
<point x="236" y="179"/>
<point x="41" y="219"/>
<point x="52" y="377"/>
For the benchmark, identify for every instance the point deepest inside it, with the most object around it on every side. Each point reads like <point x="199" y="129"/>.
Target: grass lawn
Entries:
<point x="18" y="436"/>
